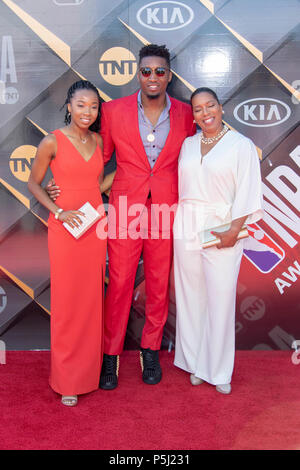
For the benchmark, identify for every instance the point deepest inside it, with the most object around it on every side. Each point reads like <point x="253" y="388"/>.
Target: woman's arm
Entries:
<point x="45" y="152"/>
<point x="248" y="193"/>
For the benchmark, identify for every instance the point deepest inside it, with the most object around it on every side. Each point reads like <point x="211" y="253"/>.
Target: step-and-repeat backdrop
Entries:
<point x="247" y="50"/>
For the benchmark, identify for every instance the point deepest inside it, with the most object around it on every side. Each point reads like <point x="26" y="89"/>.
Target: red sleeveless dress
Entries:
<point x="77" y="269"/>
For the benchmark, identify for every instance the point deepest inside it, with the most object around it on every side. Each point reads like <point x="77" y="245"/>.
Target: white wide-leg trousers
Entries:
<point x="205" y="289"/>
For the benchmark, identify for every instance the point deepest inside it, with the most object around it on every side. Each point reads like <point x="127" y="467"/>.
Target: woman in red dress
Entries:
<point x="77" y="266"/>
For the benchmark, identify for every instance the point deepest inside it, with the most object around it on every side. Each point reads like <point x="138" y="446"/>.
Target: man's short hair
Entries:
<point x="155" y="50"/>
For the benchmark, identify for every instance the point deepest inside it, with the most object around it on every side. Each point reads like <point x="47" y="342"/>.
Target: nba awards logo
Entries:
<point x="261" y="250"/>
<point x="117" y="66"/>
<point x="21" y="161"/>
<point x="8" y="94"/>
<point x="262" y="112"/>
<point x="165" y="16"/>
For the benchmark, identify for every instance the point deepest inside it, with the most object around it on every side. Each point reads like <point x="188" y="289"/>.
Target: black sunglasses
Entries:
<point x="159" y="71"/>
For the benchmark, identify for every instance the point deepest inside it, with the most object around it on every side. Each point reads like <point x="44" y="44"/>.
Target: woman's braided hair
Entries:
<point x="82" y="85"/>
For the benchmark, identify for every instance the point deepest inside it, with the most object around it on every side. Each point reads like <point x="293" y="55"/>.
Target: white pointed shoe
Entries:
<point x="224" y="388"/>
<point x="195" y="380"/>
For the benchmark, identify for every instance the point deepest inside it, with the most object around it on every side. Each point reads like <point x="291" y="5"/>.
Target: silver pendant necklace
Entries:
<point x="210" y="140"/>
<point x="84" y="140"/>
<point x="151" y="137"/>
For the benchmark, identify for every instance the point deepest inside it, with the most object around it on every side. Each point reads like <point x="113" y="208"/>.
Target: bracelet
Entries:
<point x="59" y="211"/>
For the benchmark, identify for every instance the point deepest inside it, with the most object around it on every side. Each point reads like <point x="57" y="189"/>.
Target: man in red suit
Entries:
<point x="146" y="130"/>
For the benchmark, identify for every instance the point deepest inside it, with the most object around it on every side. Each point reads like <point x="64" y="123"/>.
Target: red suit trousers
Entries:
<point x="124" y="256"/>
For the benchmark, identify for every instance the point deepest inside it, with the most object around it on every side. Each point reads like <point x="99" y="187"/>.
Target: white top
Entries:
<point x="226" y="185"/>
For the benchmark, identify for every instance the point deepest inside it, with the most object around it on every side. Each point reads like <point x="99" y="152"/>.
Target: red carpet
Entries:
<point x="263" y="411"/>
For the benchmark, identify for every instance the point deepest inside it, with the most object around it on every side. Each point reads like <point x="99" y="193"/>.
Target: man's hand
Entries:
<point x="52" y="190"/>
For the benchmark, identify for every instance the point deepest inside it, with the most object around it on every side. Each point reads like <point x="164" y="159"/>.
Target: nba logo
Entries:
<point x="261" y="250"/>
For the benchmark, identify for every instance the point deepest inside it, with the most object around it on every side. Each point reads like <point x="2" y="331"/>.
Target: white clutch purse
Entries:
<point x="90" y="217"/>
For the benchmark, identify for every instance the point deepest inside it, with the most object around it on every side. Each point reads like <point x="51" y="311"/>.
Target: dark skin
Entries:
<point x="208" y="115"/>
<point x="84" y="111"/>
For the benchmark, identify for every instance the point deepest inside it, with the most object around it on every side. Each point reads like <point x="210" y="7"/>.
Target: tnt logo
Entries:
<point x="9" y="95"/>
<point x="261" y="250"/>
<point x="117" y="66"/>
<point x="8" y="73"/>
<point x="253" y="308"/>
<point x="21" y="160"/>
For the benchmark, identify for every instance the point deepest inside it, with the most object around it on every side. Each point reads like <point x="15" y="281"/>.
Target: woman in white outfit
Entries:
<point x="219" y="185"/>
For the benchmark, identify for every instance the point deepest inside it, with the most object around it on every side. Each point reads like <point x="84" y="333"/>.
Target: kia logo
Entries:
<point x="165" y="16"/>
<point x="262" y="112"/>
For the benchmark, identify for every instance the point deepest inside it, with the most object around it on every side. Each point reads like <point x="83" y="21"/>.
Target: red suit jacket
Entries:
<point x="134" y="177"/>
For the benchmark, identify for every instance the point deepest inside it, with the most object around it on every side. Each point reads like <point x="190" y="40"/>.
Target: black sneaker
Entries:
<point x="152" y="373"/>
<point x="109" y="372"/>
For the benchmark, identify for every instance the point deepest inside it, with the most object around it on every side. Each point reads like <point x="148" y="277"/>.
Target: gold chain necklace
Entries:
<point x="210" y="140"/>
